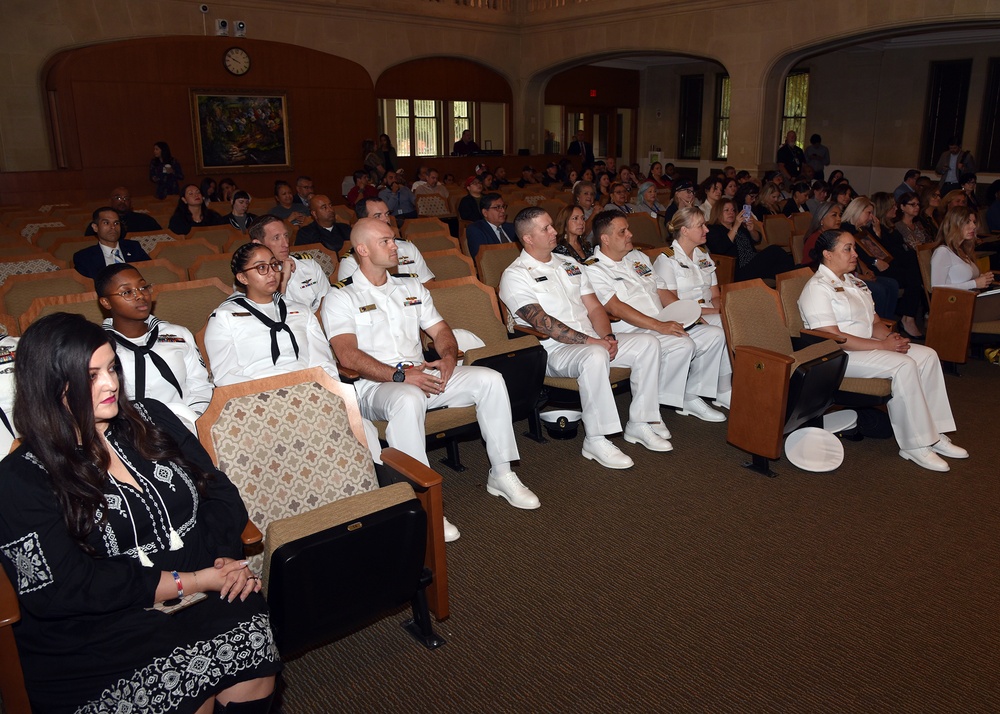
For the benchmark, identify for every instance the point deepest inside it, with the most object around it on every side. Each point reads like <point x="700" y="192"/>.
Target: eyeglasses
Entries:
<point x="498" y="207"/>
<point x="134" y="293"/>
<point x="913" y="203"/>
<point x="264" y="268"/>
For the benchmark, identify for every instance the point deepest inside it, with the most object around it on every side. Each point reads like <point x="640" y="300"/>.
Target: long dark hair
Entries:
<point x="54" y="412"/>
<point x="165" y="156"/>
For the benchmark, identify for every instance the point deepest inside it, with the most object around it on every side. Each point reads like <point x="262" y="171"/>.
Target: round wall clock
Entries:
<point x="237" y="61"/>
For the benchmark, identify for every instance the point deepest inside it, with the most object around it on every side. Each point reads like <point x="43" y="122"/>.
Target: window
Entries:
<point x="430" y="127"/>
<point x="796" y="103"/>
<point x="989" y="136"/>
<point x="460" y="119"/>
<point x="722" y="104"/>
<point x="425" y="127"/>
<point x="947" y="95"/>
<point x="689" y="123"/>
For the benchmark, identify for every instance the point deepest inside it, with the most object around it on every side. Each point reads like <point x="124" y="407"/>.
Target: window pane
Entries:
<point x="796" y="104"/>
<point x="689" y="120"/>
<point x="424" y="107"/>
<point x="402" y="107"/>
<point x="403" y="137"/>
<point x="426" y="136"/>
<point x="722" y="103"/>
<point x="947" y="98"/>
<point x="460" y="119"/>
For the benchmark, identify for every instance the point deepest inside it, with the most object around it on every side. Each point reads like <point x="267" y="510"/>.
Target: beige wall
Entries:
<point x="756" y="41"/>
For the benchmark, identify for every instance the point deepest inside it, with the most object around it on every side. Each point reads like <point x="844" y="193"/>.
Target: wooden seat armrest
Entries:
<point x="348" y="376"/>
<point x="10" y="611"/>
<point x="762" y="354"/>
<point x="520" y="330"/>
<point x="824" y="335"/>
<point x="419" y="476"/>
<point x="251" y="534"/>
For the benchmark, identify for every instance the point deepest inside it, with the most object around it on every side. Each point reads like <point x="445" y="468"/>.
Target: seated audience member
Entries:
<point x="820" y="194"/>
<point x="227" y="187"/>
<point x="909" y="184"/>
<point x="730" y="234"/>
<point x="302" y="279"/>
<point x="768" y="201"/>
<point x="683" y="198"/>
<point x="500" y="176"/>
<point x="8" y="351"/>
<point x="492" y="228"/>
<point x="969" y="189"/>
<point x="121" y="201"/>
<point x="159" y="360"/>
<point x="362" y="188"/>
<point x="730" y="186"/>
<point x="209" y="190"/>
<point x="993" y="212"/>
<point x="553" y="295"/>
<point x="618" y="202"/>
<point x="797" y="203"/>
<point x="165" y="171"/>
<point x="907" y="225"/>
<point x="431" y="185"/>
<point x="930" y="206"/>
<point x="409" y="260"/>
<point x="110" y="248"/>
<point x="743" y="177"/>
<point x="191" y="212"/>
<point x="107" y="508"/>
<point x="527" y="177"/>
<point x="843" y="194"/>
<point x="570" y="228"/>
<point x="692" y="364"/>
<point x="603" y="185"/>
<point x="489" y="182"/>
<point x="691" y="274"/>
<point x="466" y="145"/>
<point x="585" y="196"/>
<point x="835" y="301"/>
<point x="240" y="217"/>
<point x="711" y="190"/>
<point x="397" y="384"/>
<point x="551" y="175"/>
<point x="399" y="198"/>
<point x="953" y="263"/>
<point x="950" y="200"/>
<point x="468" y="207"/>
<point x="827" y="217"/>
<point x="303" y="190"/>
<point x="657" y="177"/>
<point x="256" y="332"/>
<point x="627" y="179"/>
<point x="645" y="201"/>
<point x="324" y="229"/>
<point x="285" y="207"/>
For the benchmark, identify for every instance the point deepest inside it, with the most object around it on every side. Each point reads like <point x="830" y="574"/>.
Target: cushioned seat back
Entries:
<point x="189" y="304"/>
<point x="161" y="272"/>
<point x="438" y="240"/>
<point x="448" y="264"/>
<point x="326" y="258"/>
<point x="778" y="231"/>
<point x="790" y="286"/>
<point x="213" y="266"/>
<point x="78" y="304"/>
<point x="290" y="450"/>
<point x="468" y="304"/>
<point x="219" y="236"/>
<point x="751" y="316"/>
<point x="492" y="260"/>
<point x="30" y="265"/>
<point x="432" y="204"/>
<point x="18" y="291"/>
<point x="150" y="239"/>
<point x="645" y="229"/>
<point x="183" y="253"/>
<point x="924" y="253"/>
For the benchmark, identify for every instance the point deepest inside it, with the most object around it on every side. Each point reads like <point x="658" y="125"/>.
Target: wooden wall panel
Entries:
<point x="113" y="101"/>
<point x="444" y="78"/>
<point x="615" y="87"/>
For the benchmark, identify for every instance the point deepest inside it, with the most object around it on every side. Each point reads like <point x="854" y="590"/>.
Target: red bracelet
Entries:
<point x="178" y="583"/>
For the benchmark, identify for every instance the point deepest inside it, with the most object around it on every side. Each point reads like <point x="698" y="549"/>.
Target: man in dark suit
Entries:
<point x="324" y="228"/>
<point x="493" y="229"/>
<point x="303" y="190"/>
<point x="109" y="250"/>
<point x="121" y="201"/>
<point x="583" y="149"/>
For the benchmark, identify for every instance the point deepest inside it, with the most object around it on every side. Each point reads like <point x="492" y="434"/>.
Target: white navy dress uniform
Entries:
<point x="307" y="284"/>
<point x="919" y="409"/>
<point x="246" y="340"/>
<point x="8" y="351"/>
<point x="386" y="321"/>
<point x="165" y="365"/>
<point x="690" y="366"/>
<point x="689" y="278"/>
<point x="558" y="286"/>
<point x="411" y="262"/>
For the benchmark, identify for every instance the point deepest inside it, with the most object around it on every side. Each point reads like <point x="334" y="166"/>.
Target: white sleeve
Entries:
<point x="420" y="266"/>
<point x="197" y="387"/>
<point x="220" y="345"/>
<point x="320" y="354"/>
<point x="601" y="281"/>
<point x="345" y="269"/>
<point x="664" y="269"/>
<point x="337" y="314"/>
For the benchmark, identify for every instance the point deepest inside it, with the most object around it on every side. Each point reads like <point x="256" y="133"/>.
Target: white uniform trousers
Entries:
<point x="590" y="365"/>
<point x="711" y="372"/>
<point x="405" y="407"/>
<point x="919" y="408"/>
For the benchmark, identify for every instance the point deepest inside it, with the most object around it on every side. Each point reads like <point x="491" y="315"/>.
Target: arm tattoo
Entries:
<point x="535" y="316"/>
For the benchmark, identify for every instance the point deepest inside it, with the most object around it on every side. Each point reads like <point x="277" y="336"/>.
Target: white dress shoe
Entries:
<point x="925" y="457"/>
<point x="660" y="429"/>
<point x="639" y="432"/>
<point x="696" y="407"/>
<point x="450" y="532"/>
<point x="946" y="448"/>
<point x="606" y="454"/>
<point x="510" y="487"/>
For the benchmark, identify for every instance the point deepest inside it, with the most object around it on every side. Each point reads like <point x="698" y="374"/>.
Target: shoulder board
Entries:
<point x="402" y="275"/>
<point x="590" y="261"/>
<point x="344" y="283"/>
<point x="350" y="253"/>
<point x="402" y="240"/>
<point x="302" y="256"/>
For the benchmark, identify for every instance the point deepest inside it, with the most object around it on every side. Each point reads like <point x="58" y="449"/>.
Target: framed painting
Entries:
<point x="243" y="131"/>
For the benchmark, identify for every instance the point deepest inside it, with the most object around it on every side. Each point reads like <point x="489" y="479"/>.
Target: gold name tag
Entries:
<point x="367" y="308"/>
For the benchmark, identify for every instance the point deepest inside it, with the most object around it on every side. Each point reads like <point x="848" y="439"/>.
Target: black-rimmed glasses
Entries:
<point x="265" y="268"/>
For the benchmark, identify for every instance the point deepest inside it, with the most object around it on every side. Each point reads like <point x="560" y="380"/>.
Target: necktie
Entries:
<point x="141" y="352"/>
<point x="275" y="327"/>
<point x="500" y="235"/>
<point x="118" y="255"/>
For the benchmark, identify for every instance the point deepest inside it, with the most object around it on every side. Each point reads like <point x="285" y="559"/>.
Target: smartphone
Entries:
<point x="747" y="213"/>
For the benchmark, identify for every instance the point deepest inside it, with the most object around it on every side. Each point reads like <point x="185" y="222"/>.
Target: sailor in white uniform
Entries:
<point x="627" y="287"/>
<point x="302" y="279"/>
<point x="258" y="333"/>
<point x="374" y="321"/>
<point x="411" y="262"/>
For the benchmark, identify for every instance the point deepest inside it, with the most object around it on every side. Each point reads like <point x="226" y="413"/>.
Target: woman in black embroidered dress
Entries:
<point x="106" y="508"/>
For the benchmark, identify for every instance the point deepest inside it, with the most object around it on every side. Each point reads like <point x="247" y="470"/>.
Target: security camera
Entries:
<point x="204" y="9"/>
<point x="241" y="29"/>
<point x="222" y="28"/>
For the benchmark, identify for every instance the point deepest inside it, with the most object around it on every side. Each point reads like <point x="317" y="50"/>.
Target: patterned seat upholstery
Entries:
<point x="432" y="204"/>
<point x="326" y="258"/>
<point x="29" y="265"/>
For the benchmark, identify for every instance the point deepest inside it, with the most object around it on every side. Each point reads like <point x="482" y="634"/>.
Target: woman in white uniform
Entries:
<point x="690" y="275"/>
<point x="160" y="361"/>
<point x="256" y="332"/>
<point x="953" y="263"/>
<point x="835" y="301"/>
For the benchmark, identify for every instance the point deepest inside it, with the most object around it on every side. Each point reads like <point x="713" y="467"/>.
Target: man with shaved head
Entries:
<point x="373" y="321"/>
<point x="324" y="228"/>
<point x="121" y="201"/>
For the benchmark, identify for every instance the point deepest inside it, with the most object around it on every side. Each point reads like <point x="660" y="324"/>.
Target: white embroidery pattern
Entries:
<point x="189" y="671"/>
<point x="163" y="474"/>
<point x="35" y="460"/>
<point x="33" y="572"/>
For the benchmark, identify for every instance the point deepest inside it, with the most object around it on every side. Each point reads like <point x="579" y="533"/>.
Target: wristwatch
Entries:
<point x="399" y="375"/>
